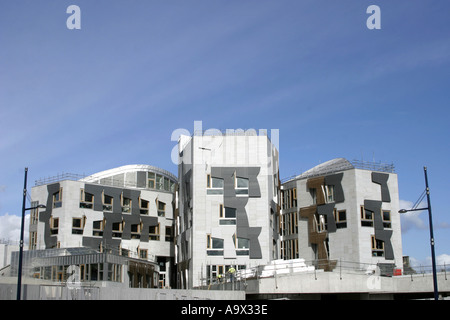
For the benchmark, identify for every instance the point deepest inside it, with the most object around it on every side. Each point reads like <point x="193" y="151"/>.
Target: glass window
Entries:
<point x="161" y="209"/>
<point x="151" y="180"/>
<point x="217" y="243"/>
<point x="86" y="200"/>
<point x="57" y="199"/>
<point x="229" y="217"/>
<point x="97" y="228"/>
<point x="107" y="203"/>
<point x="217" y="183"/>
<point x="215" y="186"/>
<point x="126" y="205"/>
<point x="159" y="182"/>
<point x="241" y="186"/>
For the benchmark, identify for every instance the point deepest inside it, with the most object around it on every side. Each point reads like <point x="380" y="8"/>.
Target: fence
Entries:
<point x="281" y="268"/>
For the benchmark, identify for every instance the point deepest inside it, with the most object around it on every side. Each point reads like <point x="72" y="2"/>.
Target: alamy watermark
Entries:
<point x="73" y="22"/>
<point x="217" y="148"/>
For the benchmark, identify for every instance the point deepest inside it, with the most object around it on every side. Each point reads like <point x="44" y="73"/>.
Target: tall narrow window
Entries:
<point x="161" y="209"/>
<point x="107" y="202"/>
<point x="377" y="247"/>
<point x="153" y="232"/>
<point x="77" y="225"/>
<point x="386" y="215"/>
<point x="169" y="234"/>
<point x="126" y="204"/>
<point x="366" y="217"/>
<point x="57" y="199"/>
<point x="143" y="206"/>
<point x="151" y="180"/>
<point x="328" y="191"/>
<point x="54" y="225"/>
<point x="97" y="228"/>
<point x="159" y="182"/>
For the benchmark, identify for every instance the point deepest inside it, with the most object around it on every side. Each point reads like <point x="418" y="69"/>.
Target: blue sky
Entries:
<point x="113" y="92"/>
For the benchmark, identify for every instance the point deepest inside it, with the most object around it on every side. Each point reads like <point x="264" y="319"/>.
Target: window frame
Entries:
<point x="57" y="198"/>
<point x="85" y="204"/>
<point x="211" y="189"/>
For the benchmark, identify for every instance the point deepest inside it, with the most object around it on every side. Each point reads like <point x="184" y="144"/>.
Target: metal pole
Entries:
<point x="433" y="257"/>
<point x="19" y="271"/>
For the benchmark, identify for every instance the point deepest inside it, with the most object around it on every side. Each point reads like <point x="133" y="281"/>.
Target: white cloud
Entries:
<point x="10" y="227"/>
<point x="411" y="220"/>
<point x="441" y="260"/>
<point x="417" y="219"/>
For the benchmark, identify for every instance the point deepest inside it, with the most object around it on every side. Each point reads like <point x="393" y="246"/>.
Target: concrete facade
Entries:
<point x="126" y="211"/>
<point x="346" y="214"/>
<point x="228" y="196"/>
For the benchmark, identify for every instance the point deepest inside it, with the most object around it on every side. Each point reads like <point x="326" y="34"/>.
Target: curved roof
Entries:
<point x="126" y="169"/>
<point x="331" y="166"/>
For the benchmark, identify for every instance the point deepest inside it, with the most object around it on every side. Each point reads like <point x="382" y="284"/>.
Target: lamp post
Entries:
<point x="19" y="271"/>
<point x="433" y="256"/>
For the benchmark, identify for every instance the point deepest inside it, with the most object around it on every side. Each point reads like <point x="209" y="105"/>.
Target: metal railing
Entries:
<point x="59" y="177"/>
<point x="283" y="268"/>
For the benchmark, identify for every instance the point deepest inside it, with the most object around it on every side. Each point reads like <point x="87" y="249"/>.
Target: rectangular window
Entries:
<point x="340" y="216"/>
<point x="77" y="225"/>
<point x="57" y="198"/>
<point x="241" y="186"/>
<point x="377" y="247"/>
<point x="86" y="200"/>
<point x="366" y="218"/>
<point x="215" y="186"/>
<point x="143" y="206"/>
<point x="159" y="182"/>
<point x="229" y="217"/>
<point x="117" y="229"/>
<point x="151" y="180"/>
<point x="161" y="209"/>
<point x="216" y="246"/>
<point x="126" y="204"/>
<point x="97" y="228"/>
<point x="166" y="184"/>
<point x="136" y="231"/>
<point x="169" y="234"/>
<point x="386" y="215"/>
<point x="153" y="232"/>
<point x="54" y="224"/>
<point x="107" y="203"/>
<point x="242" y="246"/>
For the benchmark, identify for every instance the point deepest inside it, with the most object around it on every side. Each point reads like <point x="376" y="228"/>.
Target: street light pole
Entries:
<point x="19" y="271"/>
<point x="430" y="219"/>
<point x="433" y="256"/>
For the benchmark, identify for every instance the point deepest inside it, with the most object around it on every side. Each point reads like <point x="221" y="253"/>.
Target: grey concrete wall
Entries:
<point x="8" y="291"/>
